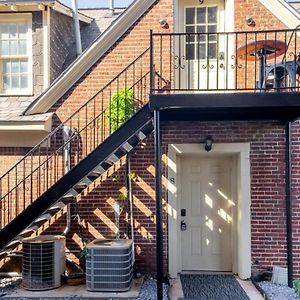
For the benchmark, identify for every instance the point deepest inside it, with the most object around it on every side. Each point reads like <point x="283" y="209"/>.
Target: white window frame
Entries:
<point x="18" y="18"/>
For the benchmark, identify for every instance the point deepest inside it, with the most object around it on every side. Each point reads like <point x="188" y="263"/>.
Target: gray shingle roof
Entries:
<point x="103" y="18"/>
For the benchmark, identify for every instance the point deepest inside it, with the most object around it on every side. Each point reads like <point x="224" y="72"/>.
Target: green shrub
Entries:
<point x="120" y="109"/>
<point x="296" y="284"/>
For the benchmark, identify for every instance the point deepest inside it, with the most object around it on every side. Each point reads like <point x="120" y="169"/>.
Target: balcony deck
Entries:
<point x="226" y="76"/>
<point x="283" y="106"/>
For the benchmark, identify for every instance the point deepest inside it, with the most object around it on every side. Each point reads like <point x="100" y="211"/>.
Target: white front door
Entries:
<point x="206" y="238"/>
<point x="202" y="50"/>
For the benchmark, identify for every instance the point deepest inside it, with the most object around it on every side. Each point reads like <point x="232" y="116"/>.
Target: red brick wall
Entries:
<point x="267" y="154"/>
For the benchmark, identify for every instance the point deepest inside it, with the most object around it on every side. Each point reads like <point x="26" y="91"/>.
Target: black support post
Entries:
<point x="158" y="198"/>
<point x="288" y="184"/>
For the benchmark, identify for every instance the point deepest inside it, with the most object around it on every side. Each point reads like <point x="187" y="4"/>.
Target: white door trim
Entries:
<point x="242" y="255"/>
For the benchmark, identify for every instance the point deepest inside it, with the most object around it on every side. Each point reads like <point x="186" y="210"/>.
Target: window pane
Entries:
<point x="13" y="29"/>
<point x="201" y="37"/>
<point x="212" y="14"/>
<point x="190" y="51"/>
<point x="23" y="66"/>
<point x="4" y="48"/>
<point x="212" y="28"/>
<point x="15" y="67"/>
<point x="22" y="47"/>
<point x="22" y="29"/>
<point x="202" y="51"/>
<point x="190" y="38"/>
<point x="212" y="50"/>
<point x="190" y="16"/>
<point x="13" y="47"/>
<point x="6" y="67"/>
<point x="4" y="32"/>
<point x="6" y="82"/>
<point x="24" y="81"/>
<point x="201" y="15"/>
<point x="15" y="84"/>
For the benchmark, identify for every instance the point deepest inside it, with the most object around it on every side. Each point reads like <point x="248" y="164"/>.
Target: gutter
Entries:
<point x="88" y="58"/>
<point x="28" y="125"/>
<point x="20" y="6"/>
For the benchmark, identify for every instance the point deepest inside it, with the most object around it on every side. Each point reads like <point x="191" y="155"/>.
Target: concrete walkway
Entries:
<point x="78" y="292"/>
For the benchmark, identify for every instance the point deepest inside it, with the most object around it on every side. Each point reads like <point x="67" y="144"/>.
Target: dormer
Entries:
<point x="37" y="41"/>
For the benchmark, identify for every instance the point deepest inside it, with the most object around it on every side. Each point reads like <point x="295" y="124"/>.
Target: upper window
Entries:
<point x="201" y="23"/>
<point x="15" y="54"/>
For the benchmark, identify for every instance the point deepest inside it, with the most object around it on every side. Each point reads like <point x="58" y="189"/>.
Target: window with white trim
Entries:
<point x="16" y="54"/>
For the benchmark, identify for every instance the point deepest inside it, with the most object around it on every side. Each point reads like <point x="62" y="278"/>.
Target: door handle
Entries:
<point x="183" y="225"/>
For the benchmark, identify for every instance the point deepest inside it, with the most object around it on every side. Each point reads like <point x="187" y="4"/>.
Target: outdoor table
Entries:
<point x="261" y="50"/>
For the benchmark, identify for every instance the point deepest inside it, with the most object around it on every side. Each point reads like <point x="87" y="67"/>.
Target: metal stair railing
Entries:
<point x="88" y="127"/>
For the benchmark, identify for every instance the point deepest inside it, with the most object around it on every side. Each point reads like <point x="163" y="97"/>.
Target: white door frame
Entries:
<point x="242" y="231"/>
<point x="228" y="27"/>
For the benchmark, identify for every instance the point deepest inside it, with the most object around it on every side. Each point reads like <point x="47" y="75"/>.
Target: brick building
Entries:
<point x="218" y="72"/>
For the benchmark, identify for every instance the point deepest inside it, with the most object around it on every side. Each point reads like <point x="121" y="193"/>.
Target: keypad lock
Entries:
<point x="183" y="225"/>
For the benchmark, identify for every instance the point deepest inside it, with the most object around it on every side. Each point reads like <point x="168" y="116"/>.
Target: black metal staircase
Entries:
<point x="118" y="144"/>
<point x="103" y="130"/>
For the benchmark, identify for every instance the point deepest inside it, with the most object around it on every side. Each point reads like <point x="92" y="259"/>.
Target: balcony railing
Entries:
<point x="261" y="61"/>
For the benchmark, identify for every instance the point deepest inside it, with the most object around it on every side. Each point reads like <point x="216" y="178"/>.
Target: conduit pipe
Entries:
<point x="130" y="204"/>
<point x="67" y="166"/>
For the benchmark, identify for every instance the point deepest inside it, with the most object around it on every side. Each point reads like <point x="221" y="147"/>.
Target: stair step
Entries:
<point x="112" y="159"/>
<point x="3" y="253"/>
<point x="70" y="194"/>
<point x="57" y="206"/>
<point x="141" y="135"/>
<point x="127" y="147"/>
<point x="13" y="244"/>
<point x="15" y="254"/>
<point x="42" y="218"/>
<point x="28" y="231"/>
<point x="83" y="183"/>
<point x="133" y="141"/>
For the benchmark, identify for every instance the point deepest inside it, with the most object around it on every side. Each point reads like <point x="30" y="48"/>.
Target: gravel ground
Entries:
<point x="277" y="291"/>
<point x="7" y="285"/>
<point x="148" y="290"/>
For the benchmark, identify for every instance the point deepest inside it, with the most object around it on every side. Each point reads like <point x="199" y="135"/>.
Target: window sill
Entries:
<point x="17" y="95"/>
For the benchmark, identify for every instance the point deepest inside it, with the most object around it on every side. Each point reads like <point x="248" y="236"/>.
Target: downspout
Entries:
<point x="67" y="166"/>
<point x="77" y="27"/>
<point x="288" y="185"/>
<point x="159" y="212"/>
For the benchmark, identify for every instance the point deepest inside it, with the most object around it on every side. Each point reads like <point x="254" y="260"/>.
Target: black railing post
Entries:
<point x="288" y="184"/>
<point x="158" y="194"/>
<point x="151" y="63"/>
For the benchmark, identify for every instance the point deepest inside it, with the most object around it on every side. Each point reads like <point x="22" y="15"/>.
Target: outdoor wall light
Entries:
<point x="208" y="143"/>
<point x="250" y="21"/>
<point x="163" y="23"/>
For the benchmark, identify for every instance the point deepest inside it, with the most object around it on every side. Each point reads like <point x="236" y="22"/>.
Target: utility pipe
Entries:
<point x="77" y="27"/>
<point x="288" y="201"/>
<point x="111" y="5"/>
<point x="130" y="205"/>
<point x="67" y="166"/>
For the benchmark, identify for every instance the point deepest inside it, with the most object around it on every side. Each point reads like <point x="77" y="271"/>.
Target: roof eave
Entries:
<point x="21" y="6"/>
<point x="87" y="59"/>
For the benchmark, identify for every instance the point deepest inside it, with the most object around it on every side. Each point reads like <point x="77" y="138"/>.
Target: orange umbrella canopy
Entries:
<point x="271" y="48"/>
